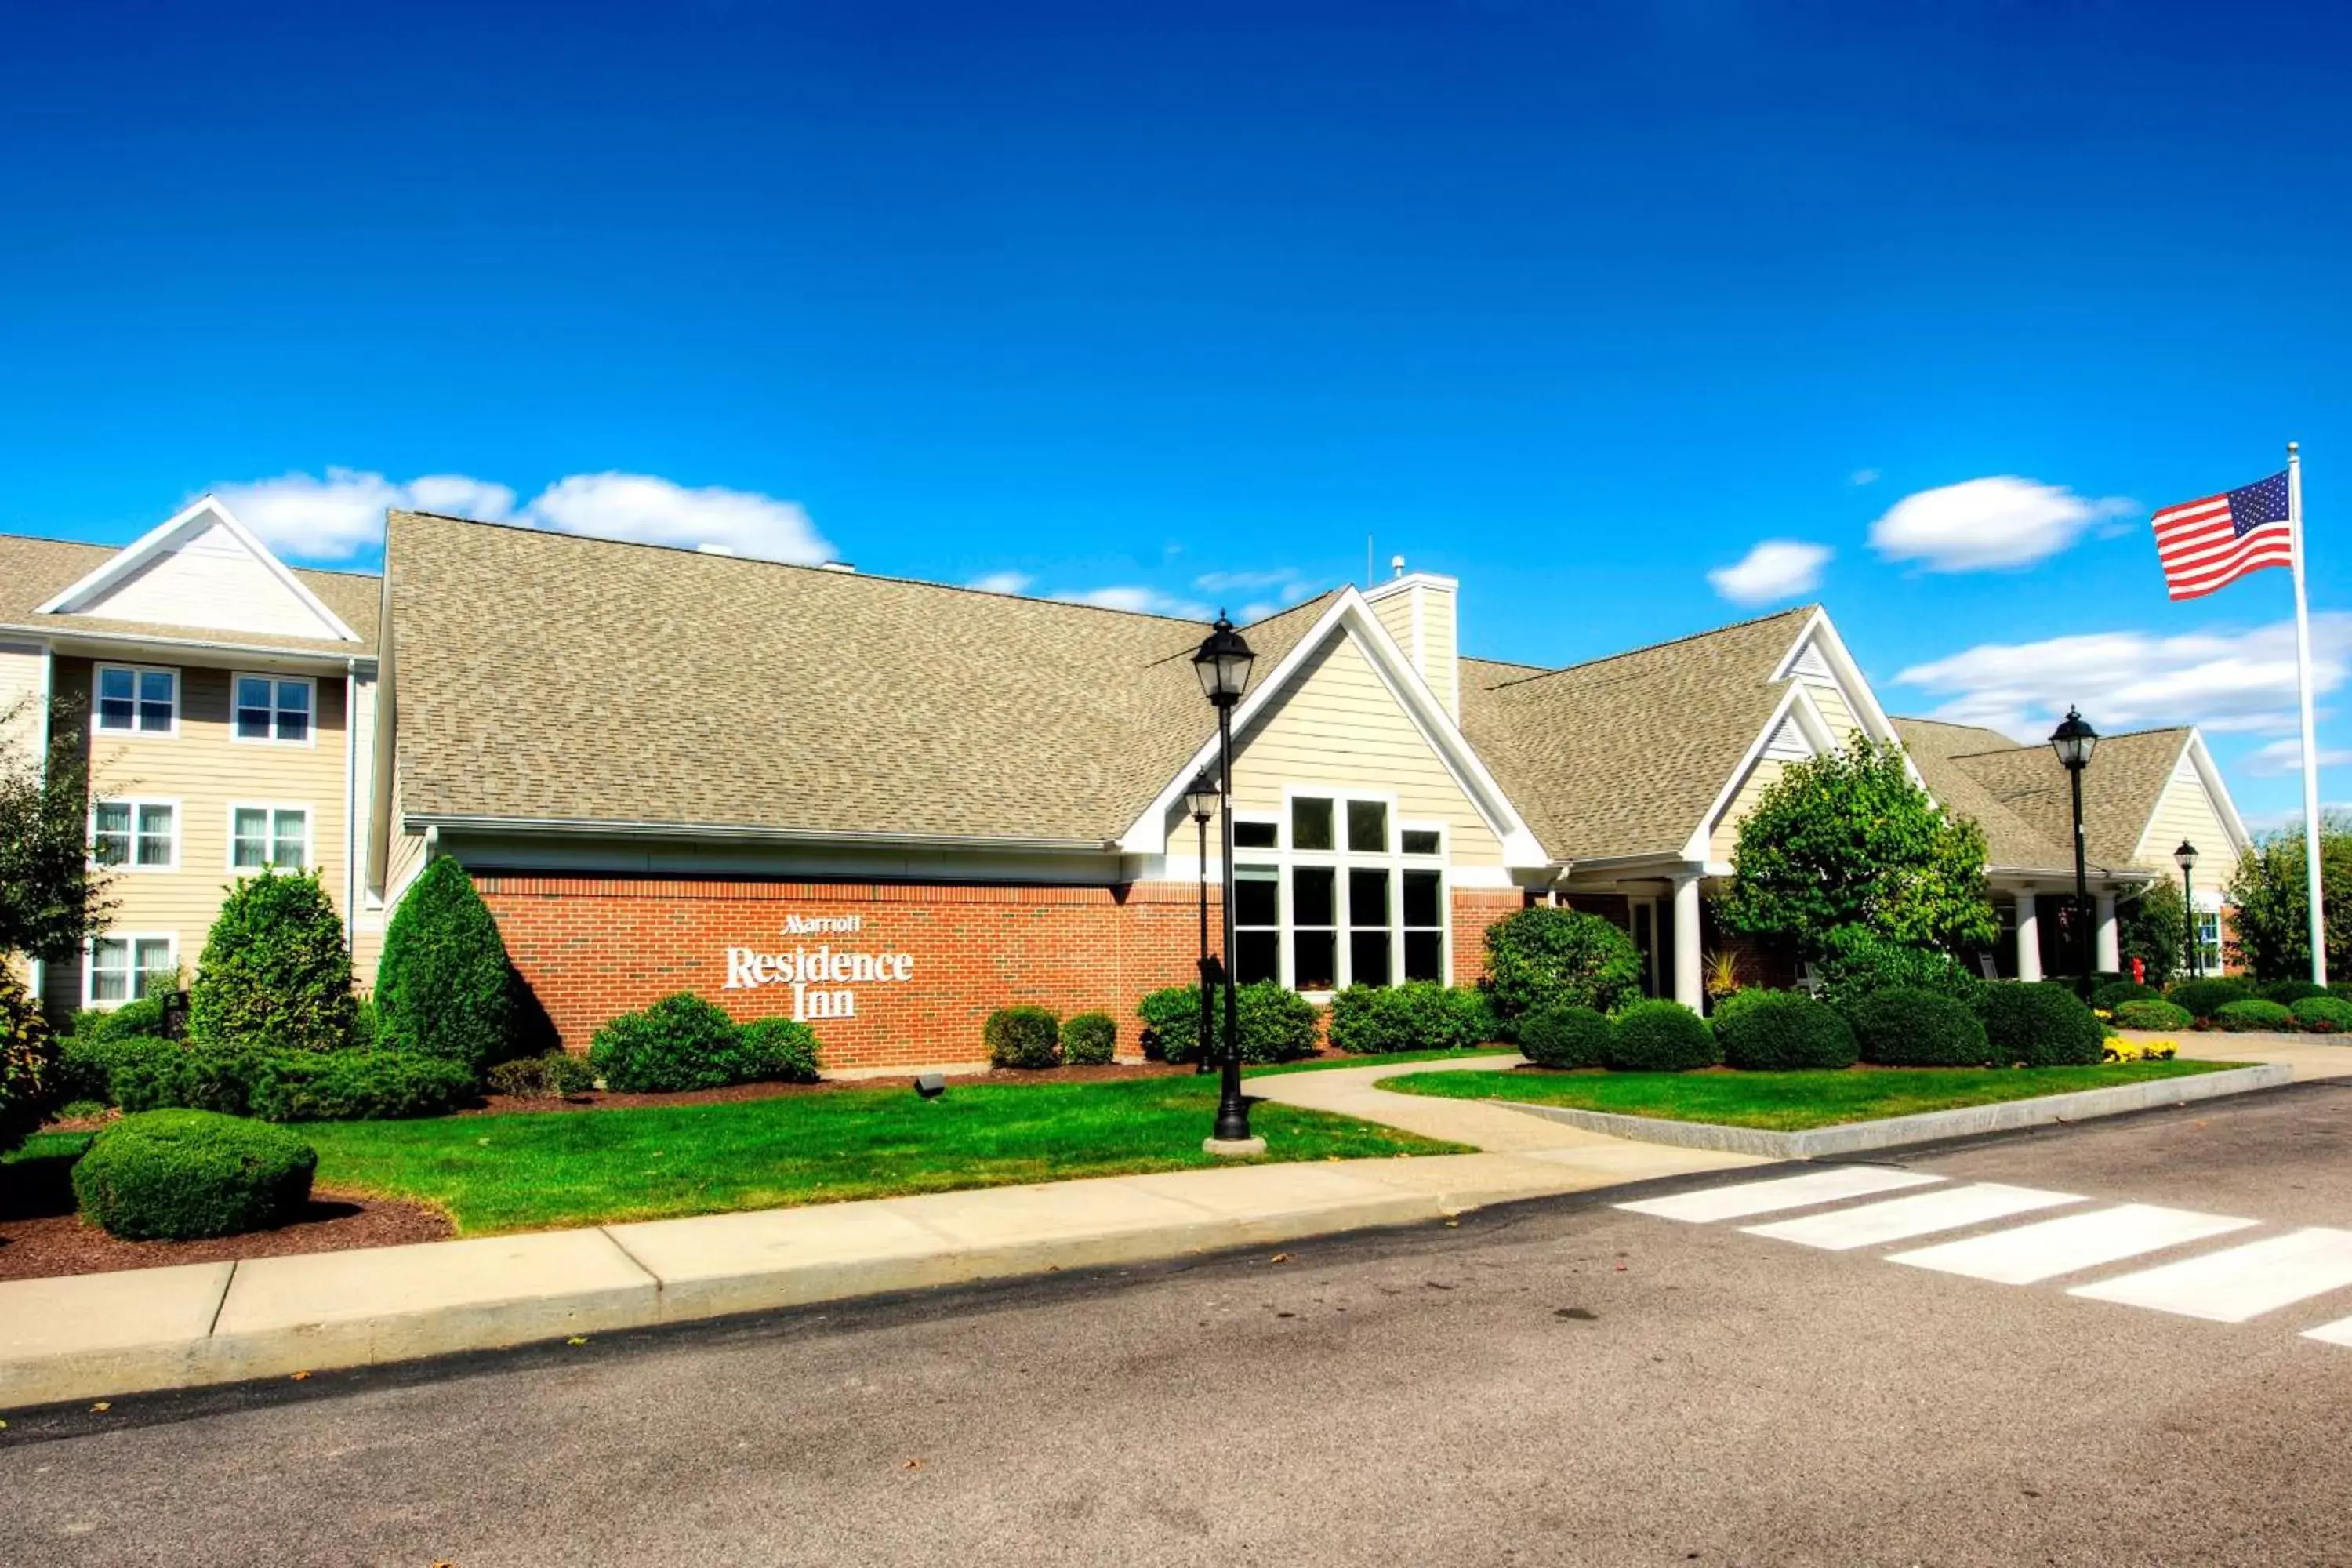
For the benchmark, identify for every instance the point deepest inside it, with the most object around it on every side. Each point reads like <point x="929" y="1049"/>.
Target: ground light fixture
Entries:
<point x="1223" y="662"/>
<point x="2074" y="741"/>
<point x="2185" y="859"/>
<point x="1201" y="799"/>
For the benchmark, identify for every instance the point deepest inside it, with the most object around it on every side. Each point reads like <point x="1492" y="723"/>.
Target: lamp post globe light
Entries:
<point x="2185" y="859"/>
<point x="2074" y="741"/>
<point x="1223" y="662"/>
<point x="1200" y="799"/>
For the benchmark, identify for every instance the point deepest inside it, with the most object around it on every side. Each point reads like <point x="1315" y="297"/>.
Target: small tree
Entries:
<point x="2154" y="930"/>
<point x="28" y="1059"/>
<point x="1549" y="957"/>
<point x="276" y="973"/>
<point x="444" y="985"/>
<point x="2271" y="898"/>
<point x="52" y="898"/>
<point x="1849" y="839"/>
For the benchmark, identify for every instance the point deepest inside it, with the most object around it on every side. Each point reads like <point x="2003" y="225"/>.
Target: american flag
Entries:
<point x="2211" y="543"/>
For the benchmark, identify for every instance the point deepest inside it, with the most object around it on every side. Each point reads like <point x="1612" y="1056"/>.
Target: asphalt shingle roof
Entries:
<point x="33" y="571"/>
<point x="2021" y="795"/>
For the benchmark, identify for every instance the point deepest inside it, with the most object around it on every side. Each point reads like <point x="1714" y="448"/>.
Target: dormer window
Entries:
<point x="133" y="700"/>
<point x="275" y="708"/>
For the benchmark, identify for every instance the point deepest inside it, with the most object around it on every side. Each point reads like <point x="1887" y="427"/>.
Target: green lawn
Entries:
<point x="1785" y="1101"/>
<point x="531" y="1170"/>
<point x="1326" y="1064"/>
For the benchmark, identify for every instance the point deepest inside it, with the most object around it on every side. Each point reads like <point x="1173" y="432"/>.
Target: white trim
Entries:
<point x="138" y="802"/>
<point x="97" y="679"/>
<point x="235" y="709"/>
<point x="1796" y="704"/>
<point x="428" y="822"/>
<point x="131" y="940"/>
<point x="310" y="834"/>
<point x="2217" y="795"/>
<point x="1286" y="860"/>
<point x="74" y="641"/>
<point x="156" y="540"/>
<point x="1819" y="632"/>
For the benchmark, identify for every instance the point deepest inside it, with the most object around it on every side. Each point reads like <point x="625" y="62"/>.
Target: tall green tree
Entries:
<point x="1849" y="839"/>
<point x="444" y="985"/>
<point x="2154" y="928"/>
<point x="276" y="972"/>
<point x="2270" y="893"/>
<point x="52" y="898"/>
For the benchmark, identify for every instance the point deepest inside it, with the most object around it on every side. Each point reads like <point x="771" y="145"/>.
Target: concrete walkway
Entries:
<point x="93" y="1335"/>
<point x="2311" y="1055"/>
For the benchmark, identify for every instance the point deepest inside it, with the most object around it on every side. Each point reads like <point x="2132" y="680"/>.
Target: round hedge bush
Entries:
<point x="2156" y="1015"/>
<point x="1551" y="957"/>
<point x="1419" y="1015"/>
<point x="1661" y="1037"/>
<point x="1784" y="1031"/>
<point x="1089" y="1039"/>
<point x="2254" y="1016"/>
<point x="2113" y="993"/>
<point x="176" y="1175"/>
<point x="2322" y="1015"/>
<point x="773" y="1050"/>
<point x="2206" y="998"/>
<point x="679" y="1043"/>
<point x="1565" y="1036"/>
<point x="2287" y="993"/>
<point x="1906" y="1028"/>
<point x="557" y="1075"/>
<point x="1022" y="1038"/>
<point x="2041" y="1025"/>
<point x="1276" y="1025"/>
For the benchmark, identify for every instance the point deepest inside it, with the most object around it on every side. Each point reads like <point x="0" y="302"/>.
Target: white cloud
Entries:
<point x="1775" y="569"/>
<point x="2004" y="520"/>
<point x="2123" y="680"/>
<point x="2284" y="818"/>
<point x="1866" y="476"/>
<point x="1001" y="582"/>
<point x="341" y="515"/>
<point x="1243" y="582"/>
<point x="1139" y="600"/>
<point x="2285" y="756"/>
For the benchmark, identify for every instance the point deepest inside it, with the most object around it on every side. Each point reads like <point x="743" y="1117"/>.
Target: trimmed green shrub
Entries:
<point x="1659" y="1036"/>
<point x="1171" y="1022"/>
<point x="2252" y="1015"/>
<point x="1547" y="957"/>
<point x="367" y="1024"/>
<point x="142" y="1017"/>
<point x="2156" y="1015"/>
<point x="355" y="1086"/>
<point x="1089" y="1039"/>
<point x="1276" y="1025"/>
<point x="2287" y="993"/>
<point x="773" y="1050"/>
<point x="443" y="986"/>
<point x="176" y="1175"/>
<point x="1906" y="1028"/>
<point x="1419" y="1015"/>
<point x="2116" y="993"/>
<point x="2322" y="1015"/>
<point x="276" y="974"/>
<point x="1022" y="1038"/>
<point x="1565" y="1036"/>
<point x="558" y="1075"/>
<point x="1783" y="1031"/>
<point x="1858" y="961"/>
<point x="679" y="1043"/>
<point x="213" y="1077"/>
<point x="28" y="1059"/>
<point x="86" y="1064"/>
<point x="2041" y="1025"/>
<point x="2206" y="998"/>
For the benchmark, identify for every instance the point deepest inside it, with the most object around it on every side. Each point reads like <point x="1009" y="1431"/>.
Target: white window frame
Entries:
<point x="310" y="834"/>
<point x="136" y="803"/>
<point x="131" y="940"/>
<point x="96" y="682"/>
<point x="1285" y="858"/>
<point x="234" y="708"/>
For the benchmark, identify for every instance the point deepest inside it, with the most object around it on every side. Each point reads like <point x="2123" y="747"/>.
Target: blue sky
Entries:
<point x="1175" y="305"/>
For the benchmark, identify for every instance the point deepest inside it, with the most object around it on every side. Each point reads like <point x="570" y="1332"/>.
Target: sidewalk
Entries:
<point x="93" y="1335"/>
<point x="2311" y="1055"/>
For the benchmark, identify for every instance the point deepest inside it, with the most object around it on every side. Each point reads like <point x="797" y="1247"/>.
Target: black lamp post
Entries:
<point x="1223" y="663"/>
<point x="1201" y="800"/>
<point x="2074" y="741"/>
<point x="2185" y="859"/>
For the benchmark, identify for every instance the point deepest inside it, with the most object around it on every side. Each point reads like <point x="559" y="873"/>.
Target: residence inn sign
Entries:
<point x="820" y="977"/>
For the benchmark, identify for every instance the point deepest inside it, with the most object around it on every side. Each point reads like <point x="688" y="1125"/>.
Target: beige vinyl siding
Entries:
<point x="405" y="854"/>
<point x="1339" y="724"/>
<point x="204" y="773"/>
<point x="24" y="686"/>
<point x="1725" y="838"/>
<point x="1422" y="618"/>
<point x="2186" y="811"/>
<point x="1836" y="712"/>
<point x="209" y="580"/>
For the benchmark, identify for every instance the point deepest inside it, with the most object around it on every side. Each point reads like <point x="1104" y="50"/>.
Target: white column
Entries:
<point x="1689" y="988"/>
<point x="2110" y="951"/>
<point x="2029" y="940"/>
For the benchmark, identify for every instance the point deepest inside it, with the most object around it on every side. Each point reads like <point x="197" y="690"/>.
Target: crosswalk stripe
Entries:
<point x="2339" y="1333"/>
<point x="2242" y="1282"/>
<point x="2031" y="1253"/>
<point x="1779" y="1192"/>
<point x="1922" y="1213"/>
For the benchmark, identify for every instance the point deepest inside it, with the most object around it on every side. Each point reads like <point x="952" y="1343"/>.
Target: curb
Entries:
<point x="1929" y="1127"/>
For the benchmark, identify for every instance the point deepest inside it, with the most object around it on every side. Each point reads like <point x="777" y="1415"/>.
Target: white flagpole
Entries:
<point x="2310" y="742"/>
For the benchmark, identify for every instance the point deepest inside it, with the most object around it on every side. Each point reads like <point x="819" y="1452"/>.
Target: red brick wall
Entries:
<point x="593" y="947"/>
<point x="1476" y="909"/>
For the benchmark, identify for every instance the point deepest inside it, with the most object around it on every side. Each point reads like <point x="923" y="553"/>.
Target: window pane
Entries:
<point x="248" y="838"/>
<point x="1255" y="835"/>
<point x="1368" y="826"/>
<point x="117" y="707"/>
<point x="116" y="683"/>
<point x="1311" y="824"/>
<point x="252" y="707"/>
<point x="293" y="711"/>
<point x="1425" y="951"/>
<point x="110" y="838"/>
<point x="155" y="700"/>
<point x="1256" y="896"/>
<point x="155" y="972"/>
<point x="252" y="692"/>
<point x="1311" y="954"/>
<point x="1368" y="899"/>
<point x="1419" y="840"/>
<point x="1311" y="902"/>
<point x="290" y="834"/>
<point x="110" y="972"/>
<point x="1257" y="956"/>
<point x="154" y="836"/>
<point x="1420" y="900"/>
<point x="1367" y="958"/>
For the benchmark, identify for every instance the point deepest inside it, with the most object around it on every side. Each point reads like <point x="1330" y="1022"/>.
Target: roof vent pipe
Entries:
<point x="837" y="566"/>
<point x="1396" y="565"/>
<point x="714" y="549"/>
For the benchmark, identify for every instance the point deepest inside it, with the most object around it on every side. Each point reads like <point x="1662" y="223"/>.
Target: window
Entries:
<point x="1250" y="835"/>
<point x="136" y="700"/>
<point x="127" y="968"/>
<point x="2209" y="941"/>
<point x="138" y="834"/>
<point x="1257" y="923"/>
<point x="1369" y="936"/>
<point x="1311" y="824"/>
<point x="274" y="835"/>
<point x="1313" y="925"/>
<point x="1367" y="828"/>
<point x="271" y="708"/>
<point x="1345" y="895"/>
<point x="1424" y="924"/>
<point x="1421" y="841"/>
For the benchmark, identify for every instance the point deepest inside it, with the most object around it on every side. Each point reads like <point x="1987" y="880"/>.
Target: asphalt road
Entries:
<point x="1558" y="1383"/>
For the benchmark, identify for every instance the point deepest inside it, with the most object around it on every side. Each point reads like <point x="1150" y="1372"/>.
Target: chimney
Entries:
<point x="1418" y="609"/>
